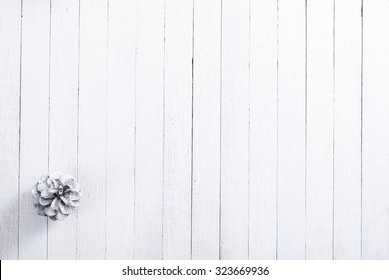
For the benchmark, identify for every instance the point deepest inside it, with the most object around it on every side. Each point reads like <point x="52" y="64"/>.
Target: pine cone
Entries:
<point x="56" y="195"/>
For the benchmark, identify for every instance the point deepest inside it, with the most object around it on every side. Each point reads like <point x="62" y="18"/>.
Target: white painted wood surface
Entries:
<point x="63" y="116"/>
<point x="263" y="130"/>
<point x="92" y="130"/>
<point x="121" y="130"/>
<point x="234" y="223"/>
<point x="319" y="129"/>
<point x="291" y="238"/>
<point x="10" y="27"/>
<point x="347" y="130"/>
<point x="197" y="129"/>
<point x="177" y="183"/>
<point x="375" y="136"/>
<point x="149" y="140"/>
<point x="34" y="124"/>
<point x="206" y="129"/>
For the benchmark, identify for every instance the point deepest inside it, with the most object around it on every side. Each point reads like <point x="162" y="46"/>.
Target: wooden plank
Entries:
<point x="121" y="129"/>
<point x="91" y="241"/>
<point x="10" y="12"/>
<point x="291" y="130"/>
<point x="375" y="136"/>
<point x="206" y="130"/>
<point x="63" y="115"/>
<point x="34" y="124"/>
<point x="149" y="130"/>
<point x="320" y="100"/>
<point x="178" y="130"/>
<point x="235" y="128"/>
<point x="347" y="136"/>
<point x="263" y="130"/>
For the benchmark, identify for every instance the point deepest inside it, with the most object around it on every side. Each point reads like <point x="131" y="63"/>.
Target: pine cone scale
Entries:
<point x="44" y="201"/>
<point x="42" y="187"/>
<point x="65" y="200"/>
<point x="47" y="194"/>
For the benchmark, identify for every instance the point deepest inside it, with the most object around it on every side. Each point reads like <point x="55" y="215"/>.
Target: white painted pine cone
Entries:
<point x="56" y="195"/>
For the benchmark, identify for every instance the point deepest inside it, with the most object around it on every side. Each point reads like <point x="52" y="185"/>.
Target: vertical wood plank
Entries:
<point x="149" y="130"/>
<point x="91" y="241"/>
<point x="235" y="128"/>
<point x="375" y="137"/>
<point x="63" y="115"/>
<point x="291" y="130"/>
<point x="34" y="124"/>
<point x="121" y="129"/>
<point x="320" y="97"/>
<point x="263" y="130"/>
<point x="206" y="129"/>
<point x="178" y="130"/>
<point x="347" y="136"/>
<point x="10" y="13"/>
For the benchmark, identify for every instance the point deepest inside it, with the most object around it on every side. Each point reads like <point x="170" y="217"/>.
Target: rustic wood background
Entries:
<point x="198" y="129"/>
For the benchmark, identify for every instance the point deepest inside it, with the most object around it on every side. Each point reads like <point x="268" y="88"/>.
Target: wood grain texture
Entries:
<point x="91" y="226"/>
<point x="121" y="129"/>
<point x="10" y="13"/>
<point x="198" y="129"/>
<point x="234" y="130"/>
<point x="206" y="130"/>
<point x="34" y="136"/>
<point x="375" y="139"/>
<point x="63" y="128"/>
<point x="149" y="130"/>
<point x="291" y="130"/>
<point x="347" y="133"/>
<point x="263" y="130"/>
<point x="178" y="130"/>
<point x="320" y="100"/>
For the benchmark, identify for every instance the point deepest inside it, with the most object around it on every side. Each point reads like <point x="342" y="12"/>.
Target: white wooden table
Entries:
<point x="197" y="129"/>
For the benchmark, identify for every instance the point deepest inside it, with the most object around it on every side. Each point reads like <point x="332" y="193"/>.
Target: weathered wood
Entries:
<point x="121" y="129"/>
<point x="291" y="130"/>
<point x="263" y="130"/>
<point x="149" y="130"/>
<point x="206" y="130"/>
<point x="10" y="24"/>
<point x="92" y="153"/>
<point x="234" y="130"/>
<point x="177" y="171"/>
<point x="34" y="130"/>
<point x="63" y="130"/>
<point x="347" y="133"/>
